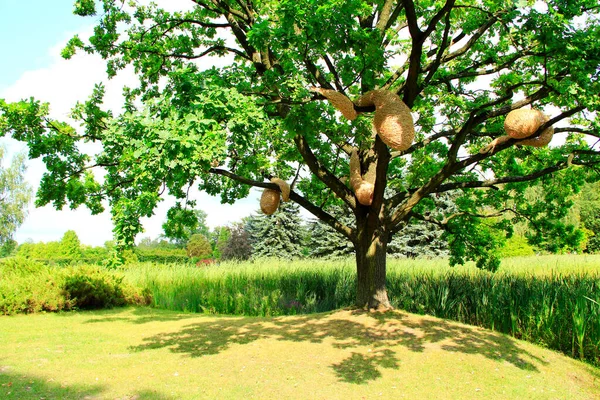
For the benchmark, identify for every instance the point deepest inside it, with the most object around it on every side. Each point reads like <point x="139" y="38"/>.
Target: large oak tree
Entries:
<point x="461" y="67"/>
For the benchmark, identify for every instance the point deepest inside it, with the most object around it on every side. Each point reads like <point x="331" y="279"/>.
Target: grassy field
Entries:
<point x="143" y="353"/>
<point x="550" y="300"/>
<point x="553" y="301"/>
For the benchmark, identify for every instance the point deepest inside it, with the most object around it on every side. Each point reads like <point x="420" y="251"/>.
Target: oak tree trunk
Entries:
<point x="371" y="270"/>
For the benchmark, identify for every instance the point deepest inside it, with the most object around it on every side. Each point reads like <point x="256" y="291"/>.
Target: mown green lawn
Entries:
<point x="143" y="353"/>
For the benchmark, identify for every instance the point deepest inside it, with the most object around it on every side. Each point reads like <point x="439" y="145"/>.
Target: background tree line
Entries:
<point x="286" y="235"/>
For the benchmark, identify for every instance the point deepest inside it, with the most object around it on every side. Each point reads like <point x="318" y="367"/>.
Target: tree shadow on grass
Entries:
<point x="360" y="368"/>
<point x="18" y="386"/>
<point x="141" y="315"/>
<point x="468" y="340"/>
<point x="346" y="330"/>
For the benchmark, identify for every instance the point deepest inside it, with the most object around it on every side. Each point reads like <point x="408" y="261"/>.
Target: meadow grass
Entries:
<point x="550" y="300"/>
<point x="144" y="353"/>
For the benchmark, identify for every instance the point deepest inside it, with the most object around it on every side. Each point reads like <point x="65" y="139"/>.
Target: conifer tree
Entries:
<point x="326" y="242"/>
<point x="426" y="237"/>
<point x="277" y="235"/>
<point x="70" y="246"/>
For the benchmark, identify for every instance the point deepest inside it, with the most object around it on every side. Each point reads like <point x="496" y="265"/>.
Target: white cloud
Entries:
<point x="62" y="83"/>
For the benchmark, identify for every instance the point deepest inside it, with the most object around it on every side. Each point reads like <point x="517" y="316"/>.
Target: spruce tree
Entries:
<point x="277" y="235"/>
<point x="325" y="242"/>
<point x="426" y="237"/>
<point x="419" y="239"/>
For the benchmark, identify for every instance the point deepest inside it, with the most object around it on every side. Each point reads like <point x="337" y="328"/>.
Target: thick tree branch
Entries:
<point x="411" y="86"/>
<point x="329" y="179"/>
<point x="336" y="77"/>
<point x="444" y="11"/>
<point x="316" y="73"/>
<point x="313" y="209"/>
<point x="498" y="181"/>
<point x="385" y="16"/>
<point x="324" y="216"/>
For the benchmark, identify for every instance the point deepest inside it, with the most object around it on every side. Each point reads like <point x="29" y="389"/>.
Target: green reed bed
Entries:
<point x="560" y="311"/>
<point x="550" y="300"/>
<point x="265" y="287"/>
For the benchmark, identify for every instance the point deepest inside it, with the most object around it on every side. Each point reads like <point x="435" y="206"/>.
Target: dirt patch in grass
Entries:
<point x="153" y="354"/>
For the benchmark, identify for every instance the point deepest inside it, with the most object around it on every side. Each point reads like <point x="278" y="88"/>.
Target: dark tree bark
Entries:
<point x="371" y="252"/>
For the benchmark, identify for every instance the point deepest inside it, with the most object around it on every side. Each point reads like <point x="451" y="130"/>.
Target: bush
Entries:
<point x="162" y="256"/>
<point x="516" y="246"/>
<point x="92" y="288"/>
<point x="93" y="291"/>
<point x="27" y="286"/>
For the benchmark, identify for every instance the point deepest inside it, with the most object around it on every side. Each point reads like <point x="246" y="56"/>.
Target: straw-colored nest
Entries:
<point x="284" y="187"/>
<point x="543" y="139"/>
<point x="523" y="122"/>
<point x="269" y="201"/>
<point x="520" y="124"/>
<point x="339" y="101"/>
<point x="393" y="121"/>
<point x="362" y="189"/>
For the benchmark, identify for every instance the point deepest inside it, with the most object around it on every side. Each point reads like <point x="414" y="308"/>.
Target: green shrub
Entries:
<point x="27" y="286"/>
<point x="162" y="256"/>
<point x="93" y="288"/>
<point x="93" y="291"/>
<point x="516" y="246"/>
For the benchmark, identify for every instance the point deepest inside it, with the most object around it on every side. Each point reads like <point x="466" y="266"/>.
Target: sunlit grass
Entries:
<point x="141" y="353"/>
<point x="550" y="300"/>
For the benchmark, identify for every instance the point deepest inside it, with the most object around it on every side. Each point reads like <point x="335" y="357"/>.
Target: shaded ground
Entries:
<point x="143" y="353"/>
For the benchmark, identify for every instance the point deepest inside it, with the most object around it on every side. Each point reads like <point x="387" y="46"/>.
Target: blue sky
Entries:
<point x="32" y="33"/>
<point x="28" y="29"/>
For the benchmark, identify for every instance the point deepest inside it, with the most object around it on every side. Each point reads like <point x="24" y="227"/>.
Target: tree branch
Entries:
<point x="438" y="17"/>
<point x="313" y="209"/>
<point x="498" y="181"/>
<point x="472" y="40"/>
<point x="411" y="86"/>
<point x="329" y="179"/>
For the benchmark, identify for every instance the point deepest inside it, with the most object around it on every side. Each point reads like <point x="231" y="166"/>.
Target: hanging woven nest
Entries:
<point x="284" y="187"/>
<point x="393" y="121"/>
<point x="523" y="122"/>
<point x="520" y="124"/>
<point x="342" y="103"/>
<point x="543" y="139"/>
<point x="269" y="201"/>
<point x="363" y="190"/>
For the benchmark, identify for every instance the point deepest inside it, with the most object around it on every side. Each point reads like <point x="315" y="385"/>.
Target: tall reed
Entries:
<point x="556" y="305"/>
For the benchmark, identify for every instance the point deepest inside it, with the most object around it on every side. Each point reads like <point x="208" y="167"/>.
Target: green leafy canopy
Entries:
<point x="460" y="66"/>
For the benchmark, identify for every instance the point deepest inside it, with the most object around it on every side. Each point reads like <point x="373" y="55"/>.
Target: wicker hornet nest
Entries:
<point x="339" y="101"/>
<point x="543" y="139"/>
<point x="520" y="124"/>
<point x="523" y="122"/>
<point x="284" y="187"/>
<point x="362" y="189"/>
<point x="269" y="201"/>
<point x="392" y="122"/>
